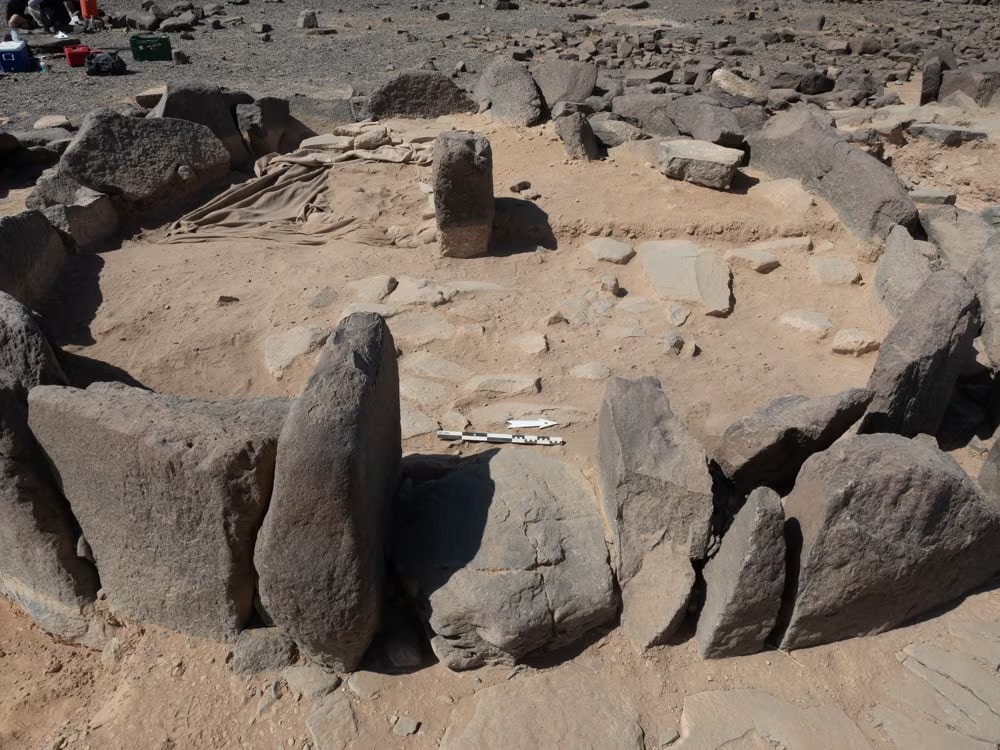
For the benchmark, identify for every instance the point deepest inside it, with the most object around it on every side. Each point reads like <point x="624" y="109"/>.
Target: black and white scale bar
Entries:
<point x="499" y="437"/>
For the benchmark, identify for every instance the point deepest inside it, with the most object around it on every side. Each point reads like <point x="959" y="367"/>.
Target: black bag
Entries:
<point x="104" y="64"/>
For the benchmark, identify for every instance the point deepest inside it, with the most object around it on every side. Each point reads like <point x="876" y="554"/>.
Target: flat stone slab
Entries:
<point x="507" y="384"/>
<point x="760" y="261"/>
<point x="854" y="341"/>
<point x="946" y="135"/>
<point x="432" y="366"/>
<point x="834" y="271"/>
<point x="681" y="270"/>
<point x="700" y="162"/>
<point x="809" y="322"/>
<point x="609" y="250"/>
<point x="281" y="350"/>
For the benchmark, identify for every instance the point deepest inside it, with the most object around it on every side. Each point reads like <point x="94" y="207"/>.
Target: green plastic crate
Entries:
<point x="149" y="47"/>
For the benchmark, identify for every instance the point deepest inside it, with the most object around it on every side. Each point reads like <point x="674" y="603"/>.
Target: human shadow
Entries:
<point x="520" y="226"/>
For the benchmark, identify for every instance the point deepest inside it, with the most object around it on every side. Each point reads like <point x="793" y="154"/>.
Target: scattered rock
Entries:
<point x="612" y="251"/>
<point x="262" y="650"/>
<point x="590" y="371"/>
<point x="508" y="384"/>
<point x="205" y="104"/>
<point x="310" y="681"/>
<point x="809" y="322"/>
<point x="532" y="343"/>
<point x="834" y="271"/>
<point x="757" y="260"/>
<point x="332" y="724"/>
<point x="577" y="136"/>
<point x="681" y="270"/>
<point x="960" y="236"/>
<point x="854" y="341"/>
<point x="700" y="162"/>
<point x="565" y="81"/>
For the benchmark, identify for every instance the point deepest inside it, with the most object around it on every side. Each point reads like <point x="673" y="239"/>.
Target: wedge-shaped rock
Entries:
<point x="505" y="556"/>
<point x="25" y="353"/>
<point x="887" y="528"/>
<point x="511" y="92"/>
<point x="151" y="163"/>
<point x="902" y="269"/>
<point x="656" y="492"/>
<point x="865" y="193"/>
<point x="565" y="80"/>
<point x="745" y="580"/>
<point x="767" y="447"/>
<point x="705" y="119"/>
<point x="960" y="236"/>
<point x="319" y="553"/>
<point x="700" y="162"/>
<point x="680" y="270"/>
<point x="39" y="568"/>
<point x="559" y="708"/>
<point x="921" y="358"/>
<point x="32" y="255"/>
<point x="169" y="493"/>
<point x="418" y="93"/>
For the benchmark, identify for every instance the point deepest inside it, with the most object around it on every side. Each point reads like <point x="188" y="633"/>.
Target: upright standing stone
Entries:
<point x="25" y="353"/>
<point x="39" y="568"/>
<point x="319" y="553"/>
<point x="745" y="580"/>
<point x="921" y="358"/>
<point x="656" y="491"/>
<point x="169" y="493"/>
<point x="463" y="193"/>
<point x="32" y="255"/>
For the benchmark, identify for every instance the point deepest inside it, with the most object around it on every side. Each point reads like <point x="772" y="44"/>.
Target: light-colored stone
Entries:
<point x="386" y="311"/>
<point x="700" y="162"/>
<point x="590" y="371"/>
<point x="612" y="251"/>
<point x="730" y="83"/>
<point x="310" y="681"/>
<point x="786" y="194"/>
<point x="429" y="393"/>
<point x="855" y="341"/>
<point x="432" y="366"/>
<point x="760" y="261"/>
<point x="366" y="685"/>
<point x="282" y="349"/>
<point x="374" y="288"/>
<point x="837" y="271"/>
<point x="410" y="291"/>
<point x="332" y="724"/>
<point x="507" y="384"/>
<point x="809" y="322"/>
<point x="531" y="343"/>
<point x="680" y="270"/>
<point x="677" y="314"/>
<point x="413" y="330"/>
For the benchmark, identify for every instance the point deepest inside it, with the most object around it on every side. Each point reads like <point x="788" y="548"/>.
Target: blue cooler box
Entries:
<point x="14" y="57"/>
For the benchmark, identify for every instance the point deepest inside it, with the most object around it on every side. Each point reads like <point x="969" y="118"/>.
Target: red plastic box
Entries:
<point x="76" y="56"/>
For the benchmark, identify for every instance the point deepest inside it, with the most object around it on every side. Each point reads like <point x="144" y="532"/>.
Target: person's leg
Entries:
<point x="35" y="11"/>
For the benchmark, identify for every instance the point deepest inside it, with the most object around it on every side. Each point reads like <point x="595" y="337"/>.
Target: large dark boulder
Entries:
<point x="319" y="553"/>
<point x="149" y="164"/>
<point x="980" y="82"/>
<point x="25" y="352"/>
<point x="651" y="112"/>
<point x="565" y="80"/>
<point x="39" y="567"/>
<point x="511" y="93"/>
<point x="169" y="493"/>
<point x="903" y="267"/>
<point x="656" y="492"/>
<point x="463" y="193"/>
<point x="769" y="446"/>
<point x="885" y="528"/>
<point x="921" y="358"/>
<point x="206" y="105"/>
<point x="865" y="193"/>
<point x="704" y="119"/>
<point x="505" y="556"/>
<point x="32" y="255"/>
<point x="418" y="93"/>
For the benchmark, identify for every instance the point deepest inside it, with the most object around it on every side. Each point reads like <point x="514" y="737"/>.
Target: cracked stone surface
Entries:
<point x="505" y="556"/>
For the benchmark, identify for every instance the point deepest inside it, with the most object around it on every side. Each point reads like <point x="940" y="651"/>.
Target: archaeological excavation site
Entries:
<point x="481" y="374"/>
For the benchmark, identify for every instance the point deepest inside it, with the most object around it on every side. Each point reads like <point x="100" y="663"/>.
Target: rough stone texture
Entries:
<point x="332" y="724"/>
<point x="888" y="528"/>
<point x="25" y="353"/>
<point x="749" y="92"/>
<point x="808" y="322"/>
<point x="505" y="556"/>
<point x="980" y="82"/>
<point x="169" y="493"/>
<point x="281" y="350"/>
<point x="650" y="111"/>
<point x="149" y="162"/>
<point x="767" y="447"/>
<point x="418" y="93"/>
<point x="699" y="162"/>
<point x="834" y="271"/>
<point x="614" y="132"/>
<point x="866" y="194"/>
<point x="609" y="250"/>
<point x="319" y="552"/>
<point x="311" y="681"/>
<point x="704" y="119"/>
<point x="511" y="92"/>
<point x="565" y="81"/>
<point x="985" y="279"/>
<point x="577" y="136"/>
<point x="262" y="650"/>
<point x="206" y="105"/>
<point x="902" y="269"/>
<point x="32" y="255"/>
<point x="564" y="708"/>
<point x="680" y="270"/>
<point x="463" y="193"/>
<point x="91" y="220"/>
<point x="656" y="492"/>
<point x="960" y="236"/>
<point x="725" y="719"/>
<point x="39" y="568"/>
<point x="745" y="580"/>
<point x="753" y="258"/>
<point x="921" y="358"/>
<point x="263" y="123"/>
<point x="854" y="341"/>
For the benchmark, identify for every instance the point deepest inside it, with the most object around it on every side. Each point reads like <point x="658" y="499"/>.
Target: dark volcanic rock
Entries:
<point x="207" y="105"/>
<point x="565" y="80"/>
<point x="463" y="193"/>
<point x="418" y="93"/>
<point x="32" y="256"/>
<point x="511" y="92"/>
<point x="25" y="353"/>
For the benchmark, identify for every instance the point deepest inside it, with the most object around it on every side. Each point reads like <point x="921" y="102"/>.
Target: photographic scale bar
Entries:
<point x="499" y="437"/>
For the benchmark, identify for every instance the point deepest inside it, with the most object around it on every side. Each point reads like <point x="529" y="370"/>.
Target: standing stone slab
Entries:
<point x="319" y="551"/>
<point x="656" y="492"/>
<point x="169" y="493"/>
<point x="921" y="358"/>
<point x="463" y="193"/>
<point x="680" y="270"/>
<point x="888" y="528"/>
<point x="745" y="580"/>
<point x="768" y="446"/>
<point x="700" y="163"/>
<point x="511" y="92"/>
<point x="39" y="569"/>
<point x="985" y="279"/>
<point x="25" y="353"/>
<point x="577" y="136"/>
<point x="418" y="93"/>
<point x="32" y="255"/>
<point x="902" y="269"/>
<point x="565" y="81"/>
<point x="505" y="556"/>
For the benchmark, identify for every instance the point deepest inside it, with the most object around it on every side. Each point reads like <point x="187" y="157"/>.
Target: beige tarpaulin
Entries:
<point x="288" y="199"/>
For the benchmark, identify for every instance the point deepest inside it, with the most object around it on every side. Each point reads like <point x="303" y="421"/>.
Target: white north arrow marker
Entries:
<point x="530" y="424"/>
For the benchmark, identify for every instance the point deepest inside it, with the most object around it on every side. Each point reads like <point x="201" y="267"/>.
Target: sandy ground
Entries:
<point x="152" y="309"/>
